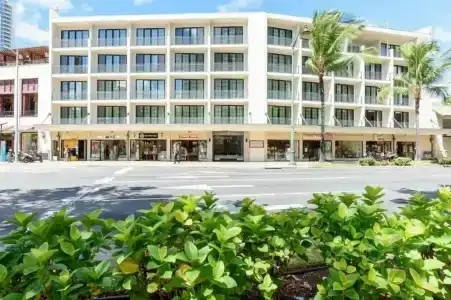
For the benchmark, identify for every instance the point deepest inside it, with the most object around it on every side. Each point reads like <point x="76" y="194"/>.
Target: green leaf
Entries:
<point x="207" y="292"/>
<point x="414" y="227"/>
<point x="64" y="277"/>
<point x="232" y="232"/>
<point x="416" y="277"/>
<point x="432" y="264"/>
<point x="180" y="216"/>
<point x="67" y="248"/>
<point x="129" y="266"/>
<point x="227" y="282"/>
<point x="263" y="248"/>
<point x="191" y="251"/>
<point x="166" y="275"/>
<point x="337" y="286"/>
<point x="342" y="210"/>
<point x="168" y="207"/>
<point x="152" y="288"/>
<point x="422" y="283"/>
<point x="372" y="275"/>
<point x="127" y="284"/>
<point x="396" y="276"/>
<point x="192" y="275"/>
<point x="218" y="270"/>
<point x="86" y="235"/>
<point x="395" y="287"/>
<point x="102" y="268"/>
<point x="340" y="265"/>
<point x="13" y="296"/>
<point x="351" y="269"/>
<point x="74" y="233"/>
<point x="3" y="273"/>
<point x="352" y="294"/>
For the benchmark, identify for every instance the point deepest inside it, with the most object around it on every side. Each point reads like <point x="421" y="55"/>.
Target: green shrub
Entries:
<point x="383" y="163"/>
<point x="445" y="161"/>
<point x="367" y="161"/>
<point x="402" y="161"/>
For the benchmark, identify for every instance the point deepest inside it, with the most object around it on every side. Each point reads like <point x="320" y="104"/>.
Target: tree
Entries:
<point x="426" y="67"/>
<point x="330" y="30"/>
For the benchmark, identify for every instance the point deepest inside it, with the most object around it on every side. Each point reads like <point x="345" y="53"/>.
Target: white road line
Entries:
<point x="103" y="180"/>
<point x="192" y="177"/>
<point x="123" y="171"/>
<point x="231" y="186"/>
<point x="214" y="172"/>
<point x="283" y="207"/>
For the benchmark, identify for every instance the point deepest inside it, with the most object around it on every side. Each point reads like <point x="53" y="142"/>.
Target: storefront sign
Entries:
<point x="109" y="137"/>
<point x="378" y="137"/>
<point x="152" y="135"/>
<point x="317" y="137"/>
<point x="188" y="136"/>
<point x="256" y="144"/>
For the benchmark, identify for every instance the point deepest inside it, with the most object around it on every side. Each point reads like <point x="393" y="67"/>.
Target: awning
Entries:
<point x="443" y="110"/>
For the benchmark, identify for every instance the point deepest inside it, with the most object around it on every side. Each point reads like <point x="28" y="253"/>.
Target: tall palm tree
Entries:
<point x="329" y="32"/>
<point x="426" y="67"/>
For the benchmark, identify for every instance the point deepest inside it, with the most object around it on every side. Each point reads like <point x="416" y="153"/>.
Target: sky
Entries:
<point x="31" y="16"/>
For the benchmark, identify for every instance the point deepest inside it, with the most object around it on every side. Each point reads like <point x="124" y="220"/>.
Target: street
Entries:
<point x="121" y="189"/>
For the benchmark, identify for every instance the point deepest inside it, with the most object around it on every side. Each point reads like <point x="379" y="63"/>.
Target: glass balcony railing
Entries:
<point x="310" y="96"/>
<point x="372" y="100"/>
<point x="6" y="114"/>
<point x="344" y="122"/>
<point x="150" y="120"/>
<point x="311" y="121"/>
<point x="279" y="41"/>
<point x="399" y="124"/>
<point x="150" y="68"/>
<point x="188" y="67"/>
<point x="228" y="66"/>
<point x="73" y="121"/>
<point x="189" y="40"/>
<point x="189" y="120"/>
<point x="228" y="120"/>
<point x="193" y="94"/>
<point x="75" y="43"/>
<point x="119" y="68"/>
<point x="227" y="39"/>
<point x="280" y="95"/>
<point x="401" y="100"/>
<point x="354" y="48"/>
<point x="71" y="96"/>
<point x="116" y="95"/>
<point x="280" y="120"/>
<point x="345" y="98"/>
<point x="30" y="113"/>
<point x="111" y="120"/>
<point x="112" y="42"/>
<point x="151" y="41"/>
<point x="70" y="69"/>
<point x="142" y="95"/>
<point x="280" y="68"/>
<point x="373" y="75"/>
<point x="228" y="94"/>
<point x="373" y="123"/>
<point x="344" y="73"/>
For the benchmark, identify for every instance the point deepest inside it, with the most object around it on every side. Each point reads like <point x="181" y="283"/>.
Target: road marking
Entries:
<point x="231" y="186"/>
<point x="192" y="177"/>
<point x="203" y="187"/>
<point x="283" y="207"/>
<point x="123" y="171"/>
<point x="103" y="180"/>
<point x="215" y="172"/>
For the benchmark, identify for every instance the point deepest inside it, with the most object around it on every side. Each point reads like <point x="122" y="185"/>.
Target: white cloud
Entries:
<point x="26" y="22"/>
<point x="141" y="2"/>
<point x="442" y="35"/>
<point x="31" y="32"/>
<point x="60" y="4"/>
<point x="87" y="7"/>
<point x="235" y="5"/>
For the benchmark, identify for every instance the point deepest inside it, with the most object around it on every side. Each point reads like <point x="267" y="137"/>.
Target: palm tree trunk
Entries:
<point x="417" y="129"/>
<point x="322" y="145"/>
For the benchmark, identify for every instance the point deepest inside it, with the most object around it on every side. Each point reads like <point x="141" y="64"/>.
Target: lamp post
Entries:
<point x="16" y="107"/>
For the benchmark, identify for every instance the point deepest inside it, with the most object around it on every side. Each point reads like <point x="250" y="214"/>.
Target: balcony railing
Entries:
<point x="193" y="94"/>
<point x="188" y="67"/>
<point x="111" y="42"/>
<point x="310" y="96"/>
<point x="73" y="121"/>
<point x="189" y="120"/>
<point x="189" y="40"/>
<point x="373" y="75"/>
<point x="399" y="124"/>
<point x="6" y="114"/>
<point x="116" y="95"/>
<point x="345" y="98"/>
<point x="311" y="121"/>
<point x="400" y="100"/>
<point x="373" y="123"/>
<point x="344" y="122"/>
<point x="229" y="94"/>
<point x="150" y="68"/>
<point x="372" y="100"/>
<point x="226" y="66"/>
<point x="111" y="120"/>
<point x="280" y="121"/>
<point x="305" y="44"/>
<point x="66" y="69"/>
<point x="307" y="70"/>
<point x="344" y="73"/>
<point x="227" y="39"/>
<point x="354" y="48"/>
<point x="30" y="113"/>
<point x="228" y="120"/>
<point x="142" y="95"/>
<point x="119" y="68"/>
<point x="151" y="41"/>
<point x="280" y="95"/>
<point x="150" y="120"/>
<point x="70" y="96"/>
<point x="279" y="41"/>
<point x="75" y="43"/>
<point x="280" y="68"/>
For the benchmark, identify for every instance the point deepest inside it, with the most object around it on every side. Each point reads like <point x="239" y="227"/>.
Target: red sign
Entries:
<point x="188" y="136"/>
<point x="317" y="137"/>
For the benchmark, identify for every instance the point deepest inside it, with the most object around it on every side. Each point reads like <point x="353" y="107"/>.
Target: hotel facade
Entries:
<point x="221" y="85"/>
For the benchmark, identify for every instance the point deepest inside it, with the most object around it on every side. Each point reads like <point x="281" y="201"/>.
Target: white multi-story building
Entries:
<point x="221" y="85"/>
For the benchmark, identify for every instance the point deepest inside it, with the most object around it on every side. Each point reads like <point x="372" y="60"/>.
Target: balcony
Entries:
<point x="66" y="69"/>
<point x="116" y="95"/>
<point x="29" y="113"/>
<point x="280" y="95"/>
<point x="344" y="73"/>
<point x="311" y="121"/>
<point x="111" y="120"/>
<point x="401" y="100"/>
<point x="228" y="120"/>
<point x="344" y="122"/>
<point x="305" y="44"/>
<point x="280" y="68"/>
<point x="306" y="70"/>
<point x="310" y="96"/>
<point x="76" y="43"/>
<point x="399" y="124"/>
<point x="7" y="114"/>
<point x="73" y="121"/>
<point x="183" y="120"/>
<point x="150" y="68"/>
<point x="373" y="100"/>
<point x="227" y="39"/>
<point x="150" y="120"/>
<point x="227" y="67"/>
<point x="151" y="41"/>
<point x="345" y="98"/>
<point x="188" y="67"/>
<point x="189" y="40"/>
<point x="279" y="41"/>
<point x="192" y="94"/>
<point x="142" y="95"/>
<point x="373" y="75"/>
<point x="373" y="123"/>
<point x="119" y="42"/>
<point x="229" y="94"/>
<point x="280" y="121"/>
<point x="71" y="96"/>
<point x="353" y="48"/>
<point x="117" y="68"/>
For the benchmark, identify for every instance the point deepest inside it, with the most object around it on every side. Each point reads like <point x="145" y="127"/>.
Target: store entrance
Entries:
<point x="228" y="147"/>
<point x="73" y="149"/>
<point x="148" y="150"/>
<point x="109" y="150"/>
<point x="405" y="149"/>
<point x="191" y="150"/>
<point x="311" y="150"/>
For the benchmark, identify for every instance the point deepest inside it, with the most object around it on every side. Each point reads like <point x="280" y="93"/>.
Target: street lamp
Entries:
<point x="16" y="107"/>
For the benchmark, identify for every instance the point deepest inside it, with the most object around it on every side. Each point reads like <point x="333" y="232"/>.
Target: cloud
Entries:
<point x="31" y="32"/>
<point x="236" y="5"/>
<point x="442" y="35"/>
<point x="60" y="4"/>
<point x="87" y="7"/>
<point x="141" y="2"/>
<point x="26" y="22"/>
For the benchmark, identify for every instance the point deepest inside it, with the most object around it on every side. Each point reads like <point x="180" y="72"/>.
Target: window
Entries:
<point x="112" y="37"/>
<point x="150" y="63"/>
<point x="229" y="61"/>
<point x="73" y="115"/>
<point x="189" y="88"/>
<point x="111" y="89"/>
<point x="189" y="62"/>
<point x="150" y="36"/>
<point x="373" y="71"/>
<point x="279" y="114"/>
<point x="344" y="117"/>
<point x="147" y="114"/>
<point x="229" y="114"/>
<point x="344" y="93"/>
<point x="189" y="114"/>
<point x="6" y="86"/>
<point x="189" y="35"/>
<point x="279" y="89"/>
<point x="150" y="89"/>
<point x="74" y="90"/>
<point x="74" y="38"/>
<point x="310" y="91"/>
<point x="385" y="50"/>
<point x="73" y="64"/>
<point x="399" y="70"/>
<point x="278" y="36"/>
<point x="112" y="63"/>
<point x="401" y="119"/>
<point x="228" y="35"/>
<point x="373" y="118"/>
<point x="111" y="114"/>
<point x="279" y="63"/>
<point x="371" y="95"/>
<point x="311" y="115"/>
<point x="229" y="88"/>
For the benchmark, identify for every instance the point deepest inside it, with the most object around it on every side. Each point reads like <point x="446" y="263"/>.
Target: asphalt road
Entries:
<point x="120" y="190"/>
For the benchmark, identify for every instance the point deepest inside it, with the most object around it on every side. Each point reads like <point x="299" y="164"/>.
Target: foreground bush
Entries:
<point x="445" y="161"/>
<point x="367" y="161"/>
<point x="402" y="161"/>
<point x="188" y="250"/>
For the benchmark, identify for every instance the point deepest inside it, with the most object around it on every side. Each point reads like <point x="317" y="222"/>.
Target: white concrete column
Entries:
<point x="129" y="83"/>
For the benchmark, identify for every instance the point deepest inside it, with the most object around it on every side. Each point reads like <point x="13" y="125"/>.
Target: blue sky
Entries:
<point x="32" y="15"/>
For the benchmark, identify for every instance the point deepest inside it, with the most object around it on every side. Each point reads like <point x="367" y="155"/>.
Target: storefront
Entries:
<point x="278" y="150"/>
<point x="148" y="146"/>
<point x="311" y="146"/>
<point x="228" y="146"/>
<point x="192" y="146"/>
<point x="348" y="149"/>
<point x="379" y="146"/>
<point x="112" y="147"/>
<point x="29" y="141"/>
<point x="405" y="149"/>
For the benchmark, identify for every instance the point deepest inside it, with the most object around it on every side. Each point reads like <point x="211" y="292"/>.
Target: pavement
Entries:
<point x="121" y="188"/>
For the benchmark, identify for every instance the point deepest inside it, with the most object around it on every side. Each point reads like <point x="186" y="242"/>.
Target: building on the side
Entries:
<point x="6" y="25"/>
<point x="34" y="96"/>
<point x="221" y="86"/>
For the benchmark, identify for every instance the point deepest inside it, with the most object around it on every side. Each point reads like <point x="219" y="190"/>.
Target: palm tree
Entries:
<point x="329" y="32"/>
<point x="426" y="67"/>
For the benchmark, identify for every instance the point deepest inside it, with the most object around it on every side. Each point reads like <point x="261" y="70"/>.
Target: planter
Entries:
<point x="301" y="284"/>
